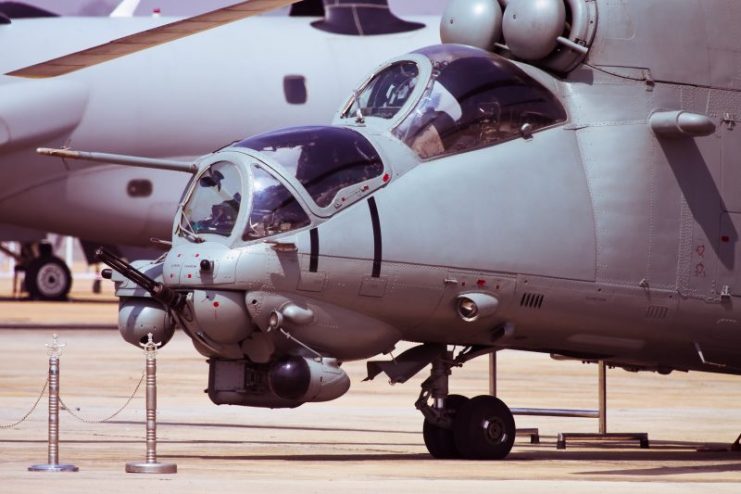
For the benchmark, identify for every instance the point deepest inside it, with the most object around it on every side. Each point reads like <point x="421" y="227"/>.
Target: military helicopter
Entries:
<point x="561" y="179"/>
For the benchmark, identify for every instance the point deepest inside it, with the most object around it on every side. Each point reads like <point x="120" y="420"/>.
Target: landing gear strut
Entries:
<point x="481" y="428"/>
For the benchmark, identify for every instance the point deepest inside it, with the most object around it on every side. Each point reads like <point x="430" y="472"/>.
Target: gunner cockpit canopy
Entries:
<point x="324" y="159"/>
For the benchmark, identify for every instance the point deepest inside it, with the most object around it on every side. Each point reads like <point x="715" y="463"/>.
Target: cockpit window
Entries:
<point x="386" y="92"/>
<point x="214" y="203"/>
<point x="324" y="159"/>
<point x="274" y="209"/>
<point x="475" y="99"/>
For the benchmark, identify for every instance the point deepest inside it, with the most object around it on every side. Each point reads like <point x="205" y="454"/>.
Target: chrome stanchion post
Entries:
<point x="151" y="465"/>
<point x="53" y="465"/>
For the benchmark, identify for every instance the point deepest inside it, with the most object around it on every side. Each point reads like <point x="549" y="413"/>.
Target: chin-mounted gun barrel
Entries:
<point x="161" y="293"/>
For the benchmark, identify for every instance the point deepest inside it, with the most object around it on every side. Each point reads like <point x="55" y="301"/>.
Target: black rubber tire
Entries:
<point x="439" y="441"/>
<point x="484" y="429"/>
<point x="48" y="278"/>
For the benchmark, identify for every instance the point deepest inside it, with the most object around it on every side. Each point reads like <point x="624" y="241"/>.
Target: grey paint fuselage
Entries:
<point x="598" y="238"/>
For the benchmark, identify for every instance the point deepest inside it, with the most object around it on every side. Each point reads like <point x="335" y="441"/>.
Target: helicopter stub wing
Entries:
<point x="148" y="39"/>
<point x="62" y="104"/>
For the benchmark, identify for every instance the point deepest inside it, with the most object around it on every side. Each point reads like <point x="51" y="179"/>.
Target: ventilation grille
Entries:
<point x="531" y="300"/>
<point x="656" y="312"/>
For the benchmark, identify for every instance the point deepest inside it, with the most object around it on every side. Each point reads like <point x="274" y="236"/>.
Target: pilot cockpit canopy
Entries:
<point x="385" y="93"/>
<point x="474" y="99"/>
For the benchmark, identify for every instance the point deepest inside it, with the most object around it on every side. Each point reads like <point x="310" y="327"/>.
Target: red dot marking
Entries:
<point x="190" y="276"/>
<point x="216" y="303"/>
<point x="725" y="238"/>
<point x="386" y="177"/>
<point x="197" y="255"/>
<point x="480" y="283"/>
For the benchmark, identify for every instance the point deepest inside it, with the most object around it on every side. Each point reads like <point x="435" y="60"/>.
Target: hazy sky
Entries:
<point x="191" y="7"/>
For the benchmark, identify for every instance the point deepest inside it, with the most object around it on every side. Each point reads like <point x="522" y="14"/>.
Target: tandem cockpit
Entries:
<point x="435" y="102"/>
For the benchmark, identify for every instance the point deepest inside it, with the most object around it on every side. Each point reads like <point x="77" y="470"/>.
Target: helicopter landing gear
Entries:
<point x="484" y="429"/>
<point x="481" y="428"/>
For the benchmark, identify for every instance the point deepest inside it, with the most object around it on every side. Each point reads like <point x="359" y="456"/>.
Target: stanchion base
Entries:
<point x="144" y="467"/>
<point x="55" y="467"/>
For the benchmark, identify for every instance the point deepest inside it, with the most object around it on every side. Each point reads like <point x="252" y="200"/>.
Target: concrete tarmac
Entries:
<point x="367" y="441"/>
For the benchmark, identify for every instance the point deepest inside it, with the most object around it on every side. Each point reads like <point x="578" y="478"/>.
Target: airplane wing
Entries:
<point x="147" y="39"/>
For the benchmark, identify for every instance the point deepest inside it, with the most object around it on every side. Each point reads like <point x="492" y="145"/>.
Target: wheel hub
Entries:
<point x="49" y="279"/>
<point x="494" y="430"/>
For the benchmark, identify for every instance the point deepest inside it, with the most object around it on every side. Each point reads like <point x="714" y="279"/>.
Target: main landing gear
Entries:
<point x="480" y="428"/>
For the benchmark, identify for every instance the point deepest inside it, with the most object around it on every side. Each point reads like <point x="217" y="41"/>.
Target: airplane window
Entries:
<point x="214" y="203"/>
<point x="274" y="209"/>
<point x="139" y="188"/>
<point x="477" y="99"/>
<point x="294" y="89"/>
<point x="324" y="159"/>
<point x="385" y="94"/>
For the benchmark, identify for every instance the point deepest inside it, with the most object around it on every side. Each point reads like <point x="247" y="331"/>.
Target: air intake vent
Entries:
<point x="531" y="300"/>
<point x="656" y="312"/>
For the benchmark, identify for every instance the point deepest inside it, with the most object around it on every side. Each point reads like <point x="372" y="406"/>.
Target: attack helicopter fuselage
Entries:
<point x="461" y="198"/>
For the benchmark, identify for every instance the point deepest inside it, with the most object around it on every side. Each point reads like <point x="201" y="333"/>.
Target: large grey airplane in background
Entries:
<point x="174" y="100"/>
<point x="568" y="185"/>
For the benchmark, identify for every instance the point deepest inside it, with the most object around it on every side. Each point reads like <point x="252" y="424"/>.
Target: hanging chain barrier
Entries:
<point x="33" y="408"/>
<point x="91" y="421"/>
<point x="56" y="350"/>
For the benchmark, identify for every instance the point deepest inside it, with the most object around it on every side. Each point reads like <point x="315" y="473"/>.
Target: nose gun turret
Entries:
<point x="139" y="315"/>
<point x="161" y="293"/>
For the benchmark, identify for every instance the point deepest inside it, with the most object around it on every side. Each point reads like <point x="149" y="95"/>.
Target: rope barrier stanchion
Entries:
<point x="151" y="465"/>
<point x="53" y="465"/>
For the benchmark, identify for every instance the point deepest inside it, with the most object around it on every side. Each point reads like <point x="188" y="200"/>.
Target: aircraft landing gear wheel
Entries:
<point x="484" y="429"/>
<point x="48" y="278"/>
<point x="439" y="441"/>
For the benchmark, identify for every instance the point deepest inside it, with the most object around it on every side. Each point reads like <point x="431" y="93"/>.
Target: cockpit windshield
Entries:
<point x="324" y="159"/>
<point x="214" y="204"/>
<point x="475" y="99"/>
<point x="386" y="92"/>
<point x="274" y="209"/>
